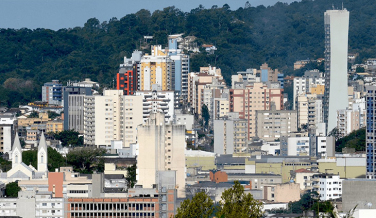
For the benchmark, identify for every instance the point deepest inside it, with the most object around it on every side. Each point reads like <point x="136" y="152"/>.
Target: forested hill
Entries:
<point x="245" y="37"/>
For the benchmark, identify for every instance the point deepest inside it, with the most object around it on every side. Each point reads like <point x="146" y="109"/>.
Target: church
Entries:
<point x="21" y="171"/>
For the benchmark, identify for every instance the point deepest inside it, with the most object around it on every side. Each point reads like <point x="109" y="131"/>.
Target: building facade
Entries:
<point x="161" y="148"/>
<point x="230" y="135"/>
<point x="336" y="24"/>
<point x="52" y="92"/>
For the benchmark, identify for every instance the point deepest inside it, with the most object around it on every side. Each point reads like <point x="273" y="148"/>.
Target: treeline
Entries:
<point x="245" y="37"/>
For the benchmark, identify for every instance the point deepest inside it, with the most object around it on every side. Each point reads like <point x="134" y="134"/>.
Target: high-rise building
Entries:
<point x="230" y="134"/>
<point x="336" y="46"/>
<point x="8" y="128"/>
<point x="52" y="92"/>
<point x="114" y="115"/>
<point x="371" y="131"/>
<point x="157" y="69"/>
<point x="181" y="65"/>
<point x="128" y="77"/>
<point x="256" y="96"/>
<point x="158" y="101"/>
<point x="161" y="148"/>
<point x="74" y="107"/>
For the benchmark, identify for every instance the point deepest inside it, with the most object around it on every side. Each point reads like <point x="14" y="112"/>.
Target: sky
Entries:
<point x="57" y="14"/>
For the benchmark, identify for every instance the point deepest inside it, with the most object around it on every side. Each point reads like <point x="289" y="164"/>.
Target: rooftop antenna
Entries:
<point x="333" y="6"/>
<point x="342" y="5"/>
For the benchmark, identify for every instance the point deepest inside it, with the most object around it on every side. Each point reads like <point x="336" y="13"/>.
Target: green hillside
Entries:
<point x="245" y="37"/>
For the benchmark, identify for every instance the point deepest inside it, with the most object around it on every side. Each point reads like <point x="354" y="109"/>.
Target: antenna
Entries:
<point x="333" y="6"/>
<point x="342" y="5"/>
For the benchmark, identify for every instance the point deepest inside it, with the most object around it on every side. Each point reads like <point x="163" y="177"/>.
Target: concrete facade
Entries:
<point x="161" y="148"/>
<point x="336" y="24"/>
<point x="230" y="135"/>
<point x="358" y="192"/>
<point x="272" y="124"/>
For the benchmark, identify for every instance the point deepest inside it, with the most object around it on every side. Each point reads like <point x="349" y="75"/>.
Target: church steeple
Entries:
<point x="42" y="154"/>
<point x="16" y="152"/>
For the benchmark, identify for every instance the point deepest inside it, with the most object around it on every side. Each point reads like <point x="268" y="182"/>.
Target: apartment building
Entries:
<point x="256" y="96"/>
<point x="157" y="69"/>
<point x="272" y="124"/>
<point x="8" y="129"/>
<point x="161" y="148"/>
<point x="32" y="204"/>
<point x="269" y="75"/>
<point x="315" y="146"/>
<point x="329" y="186"/>
<point x="181" y="67"/>
<point x="74" y="107"/>
<point x="128" y="77"/>
<point x="208" y="77"/>
<point x="248" y="76"/>
<point x="348" y="121"/>
<point x="230" y="134"/>
<point x="371" y="131"/>
<point x="115" y="116"/>
<point x="52" y="92"/>
<point x="158" y="101"/>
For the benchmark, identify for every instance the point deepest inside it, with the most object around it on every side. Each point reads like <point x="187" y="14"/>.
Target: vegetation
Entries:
<point x="12" y="189"/>
<point x="86" y="160"/>
<point x="5" y="165"/>
<point x="205" y="115"/>
<point x="356" y="139"/>
<point x="201" y="205"/>
<point x="55" y="159"/>
<point x="68" y="137"/>
<point x="52" y="115"/>
<point x="131" y="175"/>
<point x="34" y="114"/>
<point x="245" y="37"/>
<point x="235" y="203"/>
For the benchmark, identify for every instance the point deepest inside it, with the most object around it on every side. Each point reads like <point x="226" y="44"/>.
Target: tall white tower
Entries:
<point x="336" y="46"/>
<point x="42" y="154"/>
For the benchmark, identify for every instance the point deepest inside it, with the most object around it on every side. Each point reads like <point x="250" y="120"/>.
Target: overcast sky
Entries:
<point x="57" y="14"/>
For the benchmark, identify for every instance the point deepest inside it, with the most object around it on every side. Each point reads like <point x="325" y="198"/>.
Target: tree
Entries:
<point x="34" y="114"/>
<point x="55" y="159"/>
<point x="69" y="137"/>
<point x="236" y="204"/>
<point x="52" y="115"/>
<point x="205" y="115"/>
<point x="5" y="165"/>
<point x="12" y="189"/>
<point x="86" y="160"/>
<point x="201" y="205"/>
<point x="131" y="175"/>
<point x="335" y="133"/>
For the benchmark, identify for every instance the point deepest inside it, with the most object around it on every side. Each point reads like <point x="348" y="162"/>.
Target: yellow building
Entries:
<point x="24" y="121"/>
<point x="156" y="69"/>
<point x="318" y="89"/>
<point x="55" y="126"/>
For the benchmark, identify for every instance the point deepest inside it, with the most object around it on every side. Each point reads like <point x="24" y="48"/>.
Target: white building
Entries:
<point x="8" y="127"/>
<point x="116" y="117"/>
<point x="336" y="48"/>
<point x="330" y="186"/>
<point x="32" y="204"/>
<point x="158" y="101"/>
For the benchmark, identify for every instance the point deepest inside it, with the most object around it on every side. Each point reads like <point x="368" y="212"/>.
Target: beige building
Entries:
<point x="197" y="82"/>
<point x="272" y="124"/>
<point x="347" y="121"/>
<point x="116" y="117"/>
<point x="285" y="193"/>
<point x="161" y="148"/>
<point x="256" y="96"/>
